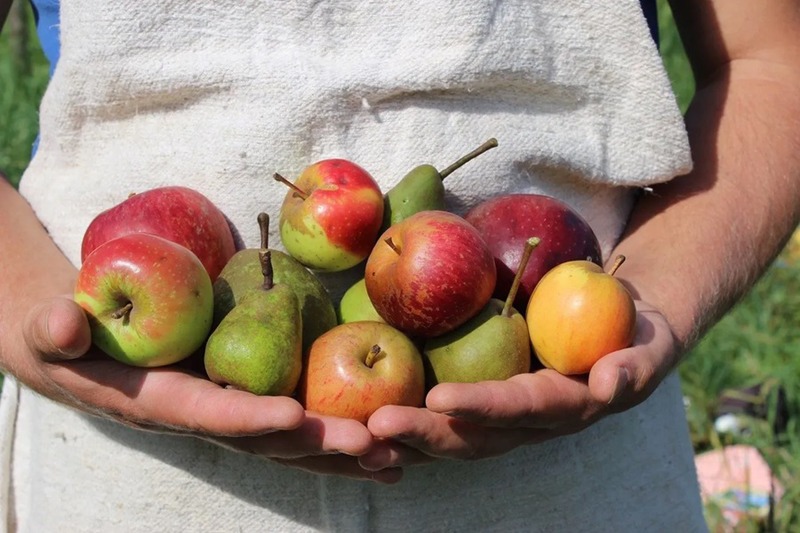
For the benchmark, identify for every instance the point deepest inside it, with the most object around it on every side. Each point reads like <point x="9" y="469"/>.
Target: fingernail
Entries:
<point x="621" y="385"/>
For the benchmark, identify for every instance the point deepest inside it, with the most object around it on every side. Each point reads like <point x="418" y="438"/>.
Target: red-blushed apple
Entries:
<point x="331" y="215"/>
<point x="507" y="221"/>
<point x="430" y="273"/>
<point x="179" y="214"/>
<point x="357" y="367"/>
<point x="577" y="314"/>
<point x="149" y="301"/>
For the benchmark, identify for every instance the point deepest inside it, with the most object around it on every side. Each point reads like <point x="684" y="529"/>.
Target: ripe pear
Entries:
<point x="422" y="189"/>
<point x="356" y="306"/>
<point x="258" y="345"/>
<point x="242" y="273"/>
<point x="493" y="345"/>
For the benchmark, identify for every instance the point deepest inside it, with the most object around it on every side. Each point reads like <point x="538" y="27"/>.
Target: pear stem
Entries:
<point x="372" y="356"/>
<point x="264" y="255"/>
<point x="122" y="311"/>
<point x="485" y="147"/>
<point x="297" y="190"/>
<point x="617" y="263"/>
<point x="530" y="244"/>
<point x="392" y="245"/>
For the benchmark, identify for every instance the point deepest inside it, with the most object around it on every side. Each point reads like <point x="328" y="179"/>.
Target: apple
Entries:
<point x="577" y="314"/>
<point x="357" y="367"/>
<point x="149" y="301"/>
<point x="430" y="273"/>
<point x="179" y="214"/>
<point x="331" y="215"/>
<point x="506" y="222"/>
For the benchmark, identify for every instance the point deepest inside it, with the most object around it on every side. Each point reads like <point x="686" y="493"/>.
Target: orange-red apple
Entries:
<point x="430" y="273"/>
<point x="577" y="314"/>
<point x="357" y="367"/>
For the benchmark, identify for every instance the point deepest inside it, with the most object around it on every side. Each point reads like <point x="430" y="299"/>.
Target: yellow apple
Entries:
<point x="577" y="314"/>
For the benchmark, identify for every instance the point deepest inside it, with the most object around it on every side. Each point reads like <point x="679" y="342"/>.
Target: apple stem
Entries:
<point x="617" y="263"/>
<point x="392" y="245"/>
<point x="297" y="190"/>
<point x="372" y="356"/>
<point x="122" y="311"/>
<point x="530" y="244"/>
<point x="485" y="147"/>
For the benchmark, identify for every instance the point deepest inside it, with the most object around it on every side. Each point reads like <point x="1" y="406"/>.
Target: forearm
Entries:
<point x="33" y="268"/>
<point x="696" y="244"/>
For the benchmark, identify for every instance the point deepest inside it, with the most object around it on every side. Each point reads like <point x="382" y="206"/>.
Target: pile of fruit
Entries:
<point x="443" y="298"/>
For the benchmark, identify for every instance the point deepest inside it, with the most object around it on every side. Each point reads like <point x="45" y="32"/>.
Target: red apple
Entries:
<point x="331" y="216"/>
<point x="507" y="221"/>
<point x="179" y="214"/>
<point x="357" y="367"/>
<point x="149" y="300"/>
<point x="430" y="273"/>
<point x="577" y="314"/>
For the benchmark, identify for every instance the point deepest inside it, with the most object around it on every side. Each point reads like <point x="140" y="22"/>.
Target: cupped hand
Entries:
<point x="477" y="420"/>
<point x="63" y="365"/>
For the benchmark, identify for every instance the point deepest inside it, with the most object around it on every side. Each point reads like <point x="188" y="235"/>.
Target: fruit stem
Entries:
<point x="392" y="245"/>
<point x="530" y="244"/>
<point x="485" y="147"/>
<point x="263" y="226"/>
<point x="617" y="263"/>
<point x="372" y="356"/>
<point x="297" y="190"/>
<point x="122" y="311"/>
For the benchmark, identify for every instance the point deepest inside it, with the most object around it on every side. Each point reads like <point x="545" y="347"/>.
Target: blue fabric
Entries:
<point x="48" y="29"/>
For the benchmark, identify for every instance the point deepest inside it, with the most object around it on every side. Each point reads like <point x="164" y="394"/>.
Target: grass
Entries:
<point x="757" y="342"/>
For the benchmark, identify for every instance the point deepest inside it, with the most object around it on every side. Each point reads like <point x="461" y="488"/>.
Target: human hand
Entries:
<point x="473" y="421"/>
<point x="63" y="365"/>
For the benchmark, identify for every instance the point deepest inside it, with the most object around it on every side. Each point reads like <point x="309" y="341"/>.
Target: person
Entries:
<point x="137" y="100"/>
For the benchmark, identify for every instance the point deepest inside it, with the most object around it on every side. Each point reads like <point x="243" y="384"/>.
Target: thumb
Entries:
<point x="57" y="329"/>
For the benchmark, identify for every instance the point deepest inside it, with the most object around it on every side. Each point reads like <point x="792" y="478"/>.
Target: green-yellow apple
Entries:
<point x="356" y="306"/>
<point x="430" y="273"/>
<point x="331" y="215"/>
<point x="506" y="221"/>
<point x="149" y="301"/>
<point x="355" y="368"/>
<point x="577" y="314"/>
<point x="178" y="214"/>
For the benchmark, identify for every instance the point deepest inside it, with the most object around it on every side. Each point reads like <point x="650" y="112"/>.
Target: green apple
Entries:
<point x="356" y="306"/>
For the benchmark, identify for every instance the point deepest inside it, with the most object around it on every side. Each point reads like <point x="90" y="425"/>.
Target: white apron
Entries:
<point x="218" y="95"/>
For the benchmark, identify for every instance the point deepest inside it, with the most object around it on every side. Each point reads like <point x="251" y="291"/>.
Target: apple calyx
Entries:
<point x="297" y="190"/>
<point x="392" y="245"/>
<point x="485" y="147"/>
<point x="123" y="312"/>
<point x="372" y="357"/>
<point x="530" y="244"/>
<point x="617" y="263"/>
<point x="264" y="255"/>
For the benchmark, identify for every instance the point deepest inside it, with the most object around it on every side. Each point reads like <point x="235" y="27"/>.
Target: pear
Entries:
<point x="243" y="273"/>
<point x="422" y="189"/>
<point x="258" y="346"/>
<point x="493" y="345"/>
<point x="355" y="305"/>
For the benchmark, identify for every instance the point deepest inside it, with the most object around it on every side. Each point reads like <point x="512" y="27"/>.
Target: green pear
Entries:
<point x="493" y="345"/>
<point x="422" y="189"/>
<point x="355" y="305"/>
<point x="243" y="273"/>
<point x="258" y="346"/>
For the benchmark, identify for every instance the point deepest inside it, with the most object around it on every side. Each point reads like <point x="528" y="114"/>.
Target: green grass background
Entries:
<point x="756" y="343"/>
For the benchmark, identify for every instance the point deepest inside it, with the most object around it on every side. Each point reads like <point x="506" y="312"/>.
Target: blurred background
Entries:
<point x="741" y="383"/>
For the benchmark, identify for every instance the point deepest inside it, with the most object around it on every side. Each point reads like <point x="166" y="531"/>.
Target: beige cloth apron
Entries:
<point x="218" y="95"/>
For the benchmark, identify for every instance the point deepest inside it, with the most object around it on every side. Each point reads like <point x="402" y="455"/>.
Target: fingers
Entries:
<point x="317" y="435"/>
<point x="57" y="329"/>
